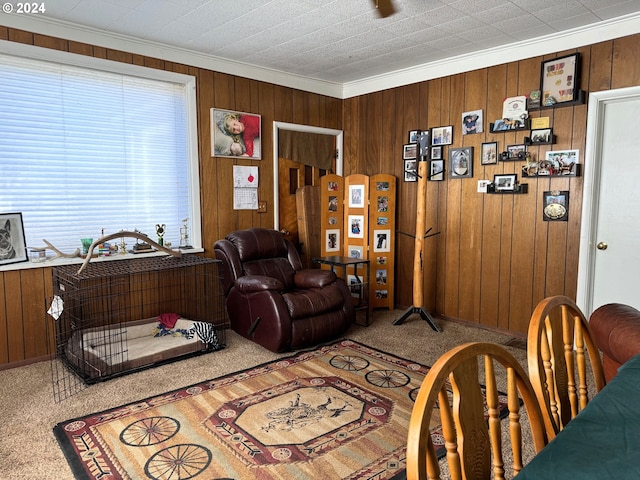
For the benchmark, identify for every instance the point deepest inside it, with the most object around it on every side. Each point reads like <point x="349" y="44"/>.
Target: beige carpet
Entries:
<point x="28" y="449"/>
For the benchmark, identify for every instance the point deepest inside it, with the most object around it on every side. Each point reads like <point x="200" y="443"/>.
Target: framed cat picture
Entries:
<point x="13" y="246"/>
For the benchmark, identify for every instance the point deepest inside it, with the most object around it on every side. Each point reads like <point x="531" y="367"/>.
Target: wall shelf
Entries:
<point x="520" y="188"/>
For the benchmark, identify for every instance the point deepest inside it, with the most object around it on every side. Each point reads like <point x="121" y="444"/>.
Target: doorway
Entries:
<point x="289" y="175"/>
<point x="610" y="232"/>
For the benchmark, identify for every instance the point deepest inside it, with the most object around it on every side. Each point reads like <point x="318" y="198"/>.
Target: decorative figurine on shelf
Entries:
<point x="123" y="247"/>
<point x="160" y="229"/>
<point x="184" y="234"/>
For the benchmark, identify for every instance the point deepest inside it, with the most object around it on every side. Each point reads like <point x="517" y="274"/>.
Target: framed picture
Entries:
<point x="381" y="240"/>
<point x="436" y="153"/>
<point x="382" y="203"/>
<point x="356" y="226"/>
<point x="555" y="206"/>
<point x="410" y="151"/>
<point x="472" y="122"/>
<point x="355" y="286"/>
<point x="13" y="245"/>
<point x="559" y="80"/>
<point x="333" y="203"/>
<point x="382" y="186"/>
<point x="542" y="135"/>
<point x="235" y="134"/>
<point x="516" y="151"/>
<point x="355" y="251"/>
<point x="381" y="277"/>
<point x="436" y="170"/>
<point x="461" y="162"/>
<point x="413" y="136"/>
<point x="561" y="162"/>
<point x="505" y="182"/>
<point x="442" y="135"/>
<point x="333" y="240"/>
<point x="489" y="153"/>
<point x="411" y="170"/>
<point x="356" y="196"/>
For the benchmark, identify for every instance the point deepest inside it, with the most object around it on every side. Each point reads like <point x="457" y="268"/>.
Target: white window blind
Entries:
<point x="84" y="151"/>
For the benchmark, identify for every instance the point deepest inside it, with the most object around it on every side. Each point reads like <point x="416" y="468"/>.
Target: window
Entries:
<point x="86" y="150"/>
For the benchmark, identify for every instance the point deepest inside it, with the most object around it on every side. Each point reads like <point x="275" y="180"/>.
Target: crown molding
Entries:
<point x="578" y="37"/>
<point x="92" y="36"/>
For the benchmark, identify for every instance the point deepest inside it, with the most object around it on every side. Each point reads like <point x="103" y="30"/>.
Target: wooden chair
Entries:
<point x="473" y="443"/>
<point x="558" y="342"/>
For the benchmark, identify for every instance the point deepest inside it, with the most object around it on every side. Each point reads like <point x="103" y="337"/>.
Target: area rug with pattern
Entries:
<point x="340" y="411"/>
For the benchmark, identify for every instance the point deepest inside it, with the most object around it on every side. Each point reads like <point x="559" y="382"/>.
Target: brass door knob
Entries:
<point x="602" y="246"/>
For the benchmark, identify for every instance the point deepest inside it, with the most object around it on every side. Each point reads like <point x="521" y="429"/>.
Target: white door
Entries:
<point x="610" y="239"/>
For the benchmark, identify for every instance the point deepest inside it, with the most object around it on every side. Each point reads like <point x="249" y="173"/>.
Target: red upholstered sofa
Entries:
<point x="616" y="332"/>
<point x="272" y="300"/>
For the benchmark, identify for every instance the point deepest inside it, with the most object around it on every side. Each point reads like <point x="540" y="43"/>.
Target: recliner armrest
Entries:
<point x="313" y="278"/>
<point x="258" y="283"/>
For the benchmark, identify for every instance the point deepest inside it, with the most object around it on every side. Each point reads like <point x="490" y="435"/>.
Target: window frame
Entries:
<point x="189" y="82"/>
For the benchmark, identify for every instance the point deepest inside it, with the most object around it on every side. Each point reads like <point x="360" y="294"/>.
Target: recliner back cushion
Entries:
<point x="258" y="243"/>
<point x="278" y="267"/>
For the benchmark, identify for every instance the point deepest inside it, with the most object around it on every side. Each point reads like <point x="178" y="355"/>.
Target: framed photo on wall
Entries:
<point x="436" y="170"/>
<point x="442" y="135"/>
<point x="472" y="122"/>
<point x="13" y="245"/>
<point x="381" y="240"/>
<point x="356" y="226"/>
<point x="461" y="162"/>
<point x="356" y="196"/>
<point x="332" y="241"/>
<point x="410" y="150"/>
<point x="560" y="80"/>
<point x="555" y="206"/>
<point x="235" y="134"/>
<point x="411" y="170"/>
<point x="489" y="153"/>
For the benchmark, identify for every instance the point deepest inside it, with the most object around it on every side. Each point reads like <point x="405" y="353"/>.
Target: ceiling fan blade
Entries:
<point x="385" y="8"/>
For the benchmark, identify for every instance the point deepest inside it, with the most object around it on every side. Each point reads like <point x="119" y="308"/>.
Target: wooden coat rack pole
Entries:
<point x="418" y="278"/>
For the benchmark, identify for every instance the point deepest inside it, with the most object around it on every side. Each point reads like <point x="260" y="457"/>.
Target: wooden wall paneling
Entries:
<point x="210" y="225"/>
<point x="600" y="71"/>
<point x="475" y="88"/>
<point x="456" y="217"/>
<point x="283" y="104"/>
<point x="626" y="68"/>
<point x="492" y="211"/>
<point x="33" y="312"/>
<point x="20" y="36"/>
<point x="372" y="161"/>
<point x="222" y="183"/>
<point x="245" y="103"/>
<point x="4" y="33"/>
<point x="390" y="136"/>
<point x="50" y="42"/>
<point x="5" y="334"/>
<point x="522" y="255"/>
<point x="13" y="292"/>
<point x="265" y="188"/>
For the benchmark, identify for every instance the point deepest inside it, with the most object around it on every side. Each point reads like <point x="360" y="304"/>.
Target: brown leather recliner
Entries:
<point x="272" y="300"/>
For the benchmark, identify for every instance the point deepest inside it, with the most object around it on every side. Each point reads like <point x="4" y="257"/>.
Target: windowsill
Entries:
<point x="53" y="262"/>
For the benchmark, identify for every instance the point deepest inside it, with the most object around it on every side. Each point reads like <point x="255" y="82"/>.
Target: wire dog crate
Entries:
<point x="116" y="317"/>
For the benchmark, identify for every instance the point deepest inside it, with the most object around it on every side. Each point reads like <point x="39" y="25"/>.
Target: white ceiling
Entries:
<point x="336" y="41"/>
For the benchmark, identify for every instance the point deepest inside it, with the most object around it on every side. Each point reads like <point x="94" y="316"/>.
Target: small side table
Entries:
<point x="361" y="289"/>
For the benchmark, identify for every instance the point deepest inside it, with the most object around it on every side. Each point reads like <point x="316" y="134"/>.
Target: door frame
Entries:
<point x="591" y="189"/>
<point x="277" y="126"/>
